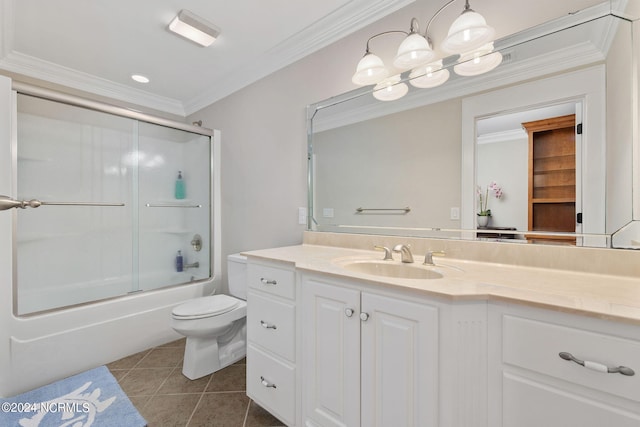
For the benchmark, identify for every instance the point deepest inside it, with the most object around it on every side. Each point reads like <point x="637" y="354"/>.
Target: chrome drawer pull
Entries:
<point x="266" y="383"/>
<point x="268" y="282"/>
<point x="266" y="325"/>
<point x="598" y="366"/>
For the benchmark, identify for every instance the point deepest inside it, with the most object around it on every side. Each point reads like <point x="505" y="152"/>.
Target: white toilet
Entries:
<point x="215" y="326"/>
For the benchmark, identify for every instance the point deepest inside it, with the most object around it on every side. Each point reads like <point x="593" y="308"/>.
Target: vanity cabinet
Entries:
<point x="533" y="386"/>
<point x="271" y="338"/>
<point x="368" y="359"/>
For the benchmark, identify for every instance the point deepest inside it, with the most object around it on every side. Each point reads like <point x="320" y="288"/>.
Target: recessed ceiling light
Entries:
<point x="140" y="78"/>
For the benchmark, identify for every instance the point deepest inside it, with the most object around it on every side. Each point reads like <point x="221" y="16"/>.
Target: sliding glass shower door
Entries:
<point x="110" y="223"/>
<point x="173" y="222"/>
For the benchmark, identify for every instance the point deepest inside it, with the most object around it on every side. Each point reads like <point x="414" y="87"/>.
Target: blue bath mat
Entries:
<point x="92" y="398"/>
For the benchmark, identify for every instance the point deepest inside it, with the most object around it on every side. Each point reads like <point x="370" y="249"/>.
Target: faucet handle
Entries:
<point x="428" y="258"/>
<point x="387" y="252"/>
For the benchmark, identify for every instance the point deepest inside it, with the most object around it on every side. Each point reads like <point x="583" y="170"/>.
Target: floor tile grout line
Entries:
<point x="200" y="395"/>
<point x="195" y="408"/>
<point x="246" y="414"/>
<point x="155" y="393"/>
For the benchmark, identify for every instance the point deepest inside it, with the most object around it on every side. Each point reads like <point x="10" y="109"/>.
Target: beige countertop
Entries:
<point x="598" y="295"/>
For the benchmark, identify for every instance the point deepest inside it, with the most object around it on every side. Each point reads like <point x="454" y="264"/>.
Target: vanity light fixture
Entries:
<point x="468" y="31"/>
<point x="480" y="61"/>
<point x="390" y="89"/>
<point x="194" y="28"/>
<point x="469" y="36"/>
<point x="428" y="76"/>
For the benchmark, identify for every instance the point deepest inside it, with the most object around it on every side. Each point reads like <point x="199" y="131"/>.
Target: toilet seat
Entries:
<point x="209" y="306"/>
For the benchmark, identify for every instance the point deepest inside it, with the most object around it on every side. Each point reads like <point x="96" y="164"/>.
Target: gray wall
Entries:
<point x="264" y="159"/>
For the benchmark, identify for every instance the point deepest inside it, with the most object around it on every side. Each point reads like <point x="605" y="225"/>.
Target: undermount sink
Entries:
<point x="392" y="269"/>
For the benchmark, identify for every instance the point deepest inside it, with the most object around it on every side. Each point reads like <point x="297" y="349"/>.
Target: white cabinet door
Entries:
<point x="331" y="354"/>
<point x="399" y="363"/>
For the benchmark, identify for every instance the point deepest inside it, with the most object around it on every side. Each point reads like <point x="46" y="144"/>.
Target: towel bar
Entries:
<point x="405" y="210"/>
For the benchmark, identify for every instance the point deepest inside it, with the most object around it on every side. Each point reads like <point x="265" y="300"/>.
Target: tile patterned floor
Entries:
<point x="154" y="382"/>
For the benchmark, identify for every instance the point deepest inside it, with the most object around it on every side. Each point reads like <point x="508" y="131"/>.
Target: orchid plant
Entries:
<point x="483" y="197"/>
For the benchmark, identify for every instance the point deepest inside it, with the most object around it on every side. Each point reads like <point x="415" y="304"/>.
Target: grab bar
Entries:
<point x="9" y="203"/>
<point x="170" y="205"/>
<point x="405" y="210"/>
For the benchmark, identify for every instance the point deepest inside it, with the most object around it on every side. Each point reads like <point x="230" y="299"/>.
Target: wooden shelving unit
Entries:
<point x="552" y="176"/>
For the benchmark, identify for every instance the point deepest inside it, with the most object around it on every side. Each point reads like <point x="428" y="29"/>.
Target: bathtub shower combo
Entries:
<point x="108" y="219"/>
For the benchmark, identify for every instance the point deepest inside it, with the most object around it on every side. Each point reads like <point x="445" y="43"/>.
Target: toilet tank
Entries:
<point x="237" y="275"/>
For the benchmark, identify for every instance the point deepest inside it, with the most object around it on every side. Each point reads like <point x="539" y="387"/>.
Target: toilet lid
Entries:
<point x="206" y="306"/>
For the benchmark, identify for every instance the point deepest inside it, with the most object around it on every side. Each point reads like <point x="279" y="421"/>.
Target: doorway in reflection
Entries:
<point x="534" y="157"/>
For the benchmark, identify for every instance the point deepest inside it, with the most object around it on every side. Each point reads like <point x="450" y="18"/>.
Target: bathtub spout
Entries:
<point x="192" y="265"/>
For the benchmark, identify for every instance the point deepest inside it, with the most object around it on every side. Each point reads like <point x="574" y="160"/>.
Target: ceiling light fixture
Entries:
<point x="469" y="36"/>
<point x="194" y="28"/>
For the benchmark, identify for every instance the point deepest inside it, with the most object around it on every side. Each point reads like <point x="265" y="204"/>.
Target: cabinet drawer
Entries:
<point x="273" y="280"/>
<point x="271" y="324"/>
<point x="536" y="345"/>
<point x="271" y="383"/>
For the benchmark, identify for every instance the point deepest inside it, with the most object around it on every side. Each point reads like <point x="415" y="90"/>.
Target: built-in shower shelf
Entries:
<point x="32" y="159"/>
<point x="168" y="231"/>
<point x="34" y="237"/>
<point x="183" y="203"/>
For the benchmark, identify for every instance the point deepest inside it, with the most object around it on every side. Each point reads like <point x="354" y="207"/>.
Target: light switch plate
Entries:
<point x="302" y="216"/>
<point x="455" y="213"/>
<point x="327" y="212"/>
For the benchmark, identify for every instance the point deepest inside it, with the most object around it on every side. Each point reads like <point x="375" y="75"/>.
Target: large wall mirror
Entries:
<point x="546" y="141"/>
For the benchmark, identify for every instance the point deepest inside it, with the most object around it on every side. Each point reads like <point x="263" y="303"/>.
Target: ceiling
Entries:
<point x="96" y="45"/>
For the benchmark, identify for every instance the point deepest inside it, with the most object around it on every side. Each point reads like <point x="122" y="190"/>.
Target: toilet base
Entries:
<point x="204" y="356"/>
<point x="200" y="357"/>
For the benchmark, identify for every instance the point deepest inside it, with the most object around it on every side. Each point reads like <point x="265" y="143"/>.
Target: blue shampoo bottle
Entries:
<point x="179" y="262"/>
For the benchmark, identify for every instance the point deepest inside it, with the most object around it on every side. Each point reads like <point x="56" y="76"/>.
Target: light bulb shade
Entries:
<point x="413" y="51"/>
<point x="370" y="70"/>
<point x="428" y="76"/>
<point x="468" y="32"/>
<point x="478" y="62"/>
<point x="390" y="89"/>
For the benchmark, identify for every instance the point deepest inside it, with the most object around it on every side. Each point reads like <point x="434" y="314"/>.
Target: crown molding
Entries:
<point x="503" y="136"/>
<point x="353" y="16"/>
<point x="53" y="73"/>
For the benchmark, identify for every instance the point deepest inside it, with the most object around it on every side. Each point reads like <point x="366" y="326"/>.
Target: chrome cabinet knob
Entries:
<point x="348" y="312"/>
<point x="364" y="316"/>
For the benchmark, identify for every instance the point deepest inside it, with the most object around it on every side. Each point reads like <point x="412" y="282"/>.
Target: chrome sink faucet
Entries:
<point x="405" y="252"/>
<point x="387" y="252"/>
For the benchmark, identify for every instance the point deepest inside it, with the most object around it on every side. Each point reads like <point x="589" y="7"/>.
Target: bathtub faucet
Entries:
<point x="192" y="265"/>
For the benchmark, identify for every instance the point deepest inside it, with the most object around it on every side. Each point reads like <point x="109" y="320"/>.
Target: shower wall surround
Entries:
<point x="128" y="240"/>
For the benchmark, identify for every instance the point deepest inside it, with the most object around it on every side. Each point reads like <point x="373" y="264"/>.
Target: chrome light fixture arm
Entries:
<point x="435" y="15"/>
<point x="383" y="34"/>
